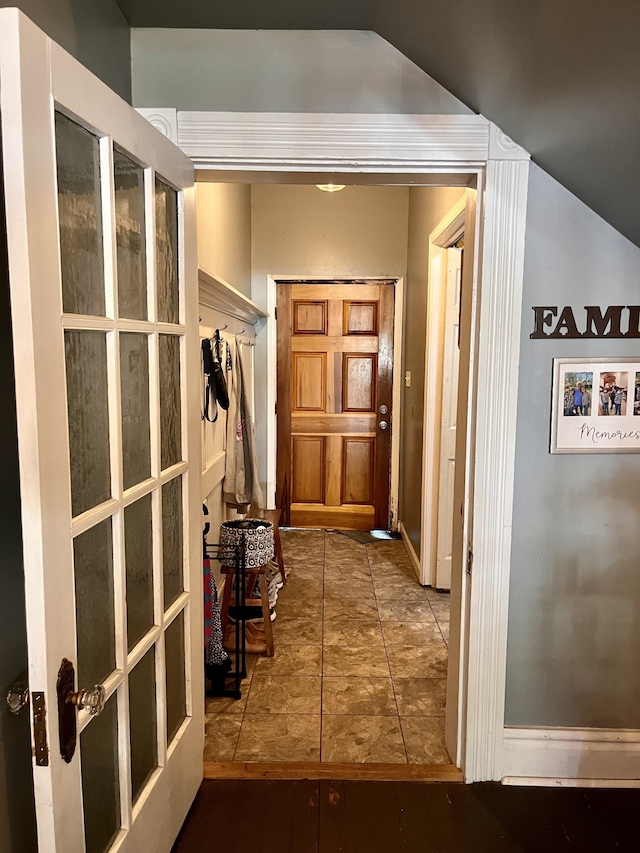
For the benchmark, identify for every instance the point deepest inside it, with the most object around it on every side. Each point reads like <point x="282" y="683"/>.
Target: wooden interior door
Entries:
<point x="335" y="368"/>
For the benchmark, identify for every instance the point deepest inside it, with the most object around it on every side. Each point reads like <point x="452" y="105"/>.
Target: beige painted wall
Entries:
<point x="299" y="230"/>
<point x="427" y="207"/>
<point x="224" y="232"/>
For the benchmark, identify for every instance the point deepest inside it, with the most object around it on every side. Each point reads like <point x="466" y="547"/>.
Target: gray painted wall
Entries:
<point x="252" y="14"/>
<point x="574" y="633"/>
<point x="561" y="78"/>
<point x="280" y="71"/>
<point x="427" y="207"/>
<point x="94" y="31"/>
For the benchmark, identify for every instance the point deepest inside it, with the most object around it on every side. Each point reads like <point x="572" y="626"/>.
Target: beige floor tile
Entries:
<point x="421" y="697"/>
<point x="341" y="542"/>
<point x="444" y="629"/>
<point x="296" y="631"/>
<point x="348" y="573"/>
<point x="434" y="595"/>
<point x="339" y="609"/>
<point x="428" y="661"/>
<point x="292" y="660"/>
<point x="284" y="694"/>
<point x="285" y="737"/>
<point x="424" y="740"/>
<point x="392" y="590"/>
<point x="345" y="558"/>
<point x="302" y="572"/>
<point x="347" y="632"/>
<point x="301" y="588"/>
<point x="362" y="739"/>
<point x="409" y="633"/>
<point x="302" y="536"/>
<point x="221" y="736"/>
<point x="441" y="610"/>
<point x="304" y="565"/>
<point x="364" y="696"/>
<point x="392" y="556"/>
<point x="393" y="553"/>
<point x="298" y="608"/>
<point x="223" y="705"/>
<point x="389" y="571"/>
<point x="365" y="661"/>
<point x="405" y="611"/>
<point x="349" y="587"/>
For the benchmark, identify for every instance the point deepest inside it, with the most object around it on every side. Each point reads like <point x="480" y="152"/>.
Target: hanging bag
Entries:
<point x="215" y="384"/>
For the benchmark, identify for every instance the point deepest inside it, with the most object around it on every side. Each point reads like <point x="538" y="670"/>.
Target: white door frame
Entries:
<point x="442" y="150"/>
<point x="443" y="235"/>
<point x="271" y="354"/>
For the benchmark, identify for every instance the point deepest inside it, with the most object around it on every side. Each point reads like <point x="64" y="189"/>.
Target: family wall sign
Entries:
<point x="616" y="321"/>
<point x="595" y="401"/>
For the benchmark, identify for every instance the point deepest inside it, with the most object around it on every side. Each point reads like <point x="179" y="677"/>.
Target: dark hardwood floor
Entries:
<point x="407" y="817"/>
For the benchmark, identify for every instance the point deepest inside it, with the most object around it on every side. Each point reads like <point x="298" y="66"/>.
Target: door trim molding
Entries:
<point x="296" y="141"/>
<point x="431" y="147"/>
<point x="440" y="238"/>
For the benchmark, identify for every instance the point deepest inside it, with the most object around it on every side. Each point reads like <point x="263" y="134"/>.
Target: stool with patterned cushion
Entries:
<point x="257" y="537"/>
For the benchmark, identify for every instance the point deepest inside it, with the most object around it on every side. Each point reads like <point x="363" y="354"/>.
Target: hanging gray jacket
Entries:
<point x="241" y="486"/>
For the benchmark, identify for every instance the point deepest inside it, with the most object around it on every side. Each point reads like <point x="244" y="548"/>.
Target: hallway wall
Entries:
<point x="224" y="232"/>
<point x="427" y="207"/>
<point x="94" y="31"/>
<point x="223" y="214"/>
<point x="299" y="230"/>
<point x="574" y="631"/>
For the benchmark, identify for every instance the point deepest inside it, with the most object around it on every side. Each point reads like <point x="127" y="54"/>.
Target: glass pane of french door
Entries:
<point x="124" y="362"/>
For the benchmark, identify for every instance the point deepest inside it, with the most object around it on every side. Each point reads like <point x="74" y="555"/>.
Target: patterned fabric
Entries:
<point x="256" y="533"/>
<point x="208" y="602"/>
<point x="214" y="652"/>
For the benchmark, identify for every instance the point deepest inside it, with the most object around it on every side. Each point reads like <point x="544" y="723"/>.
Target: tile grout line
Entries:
<point x="384" y="643"/>
<point x="444" y="640"/>
<point x="324" y="565"/>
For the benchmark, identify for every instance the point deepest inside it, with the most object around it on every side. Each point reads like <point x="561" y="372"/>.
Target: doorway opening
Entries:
<point x="360" y="671"/>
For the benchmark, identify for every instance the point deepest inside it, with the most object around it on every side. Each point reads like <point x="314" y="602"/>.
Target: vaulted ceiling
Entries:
<point x="561" y="77"/>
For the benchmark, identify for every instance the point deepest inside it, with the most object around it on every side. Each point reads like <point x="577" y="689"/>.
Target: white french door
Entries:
<point x="103" y="277"/>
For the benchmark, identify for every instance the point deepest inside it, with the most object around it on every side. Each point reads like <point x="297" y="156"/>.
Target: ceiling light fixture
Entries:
<point x="331" y="188"/>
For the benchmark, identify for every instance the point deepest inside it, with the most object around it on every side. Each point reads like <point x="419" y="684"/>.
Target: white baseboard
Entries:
<point x="571" y="757"/>
<point x="410" y="550"/>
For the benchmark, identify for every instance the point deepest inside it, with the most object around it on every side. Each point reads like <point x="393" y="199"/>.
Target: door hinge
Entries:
<point x="41" y="748"/>
<point x="469" y="560"/>
<point x="276" y="408"/>
<point x="275" y="313"/>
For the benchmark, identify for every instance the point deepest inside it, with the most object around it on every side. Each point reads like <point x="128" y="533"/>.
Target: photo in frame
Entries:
<point x="595" y="405"/>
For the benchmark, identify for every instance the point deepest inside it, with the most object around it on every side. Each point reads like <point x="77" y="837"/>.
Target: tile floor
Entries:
<point x="359" y="673"/>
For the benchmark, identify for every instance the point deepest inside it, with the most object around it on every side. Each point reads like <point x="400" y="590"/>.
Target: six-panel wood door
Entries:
<point x="335" y="363"/>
